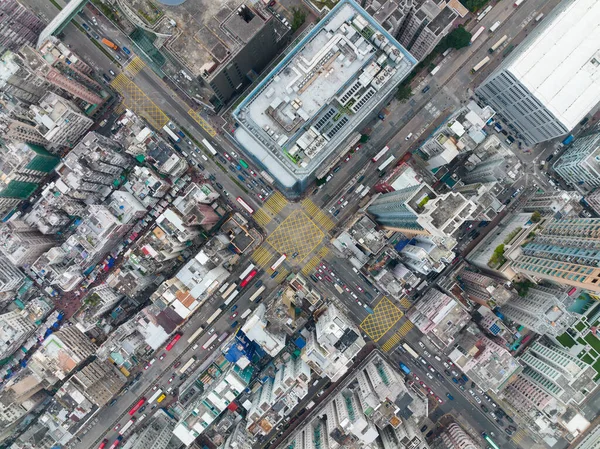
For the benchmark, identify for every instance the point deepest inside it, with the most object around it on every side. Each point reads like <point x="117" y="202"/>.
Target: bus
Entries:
<point x="214" y="316"/>
<point x="435" y="70"/>
<point x="359" y="189"/>
<point x="539" y="17"/>
<point x="117" y="442"/>
<point x="223" y="336"/>
<point x="173" y="342"/>
<point x="380" y="154"/>
<point x="224" y="287"/>
<point x="171" y="134"/>
<point x="243" y="163"/>
<point x="483" y="62"/>
<point x="267" y="177"/>
<point x="483" y="13"/>
<point x="209" y="147"/>
<point x="228" y="292"/>
<point x="103" y="443"/>
<point x="495" y="26"/>
<point x="517" y="3"/>
<point x="338" y="288"/>
<point x="127" y="426"/>
<point x="137" y="406"/>
<point x="195" y="335"/>
<point x="495" y="47"/>
<point x="161" y="398"/>
<point x="490" y="442"/>
<point x="386" y="163"/>
<point x="404" y="368"/>
<point x="187" y="365"/>
<point x="231" y="297"/>
<point x="477" y="34"/>
<point x="447" y="52"/>
<point x="156" y="394"/>
<point x="209" y="342"/>
<point x="247" y="271"/>
<point x="257" y="293"/>
<point x="245" y="314"/>
<point x="410" y="350"/>
<point x="244" y="205"/>
<point x="278" y="262"/>
<point x="248" y="278"/>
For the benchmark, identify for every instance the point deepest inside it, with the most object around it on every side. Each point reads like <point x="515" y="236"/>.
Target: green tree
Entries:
<point x="364" y="138"/>
<point x="403" y="93"/>
<point x="457" y="38"/>
<point x="536" y="217"/>
<point x="298" y="18"/>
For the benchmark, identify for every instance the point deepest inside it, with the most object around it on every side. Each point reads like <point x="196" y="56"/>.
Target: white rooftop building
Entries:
<point x="551" y="81"/>
<point x="325" y="88"/>
<point x="256" y="330"/>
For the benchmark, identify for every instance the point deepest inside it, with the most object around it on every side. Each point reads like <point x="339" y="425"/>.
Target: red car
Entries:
<point x="233" y="315"/>
<point x="253" y="173"/>
<point x="177" y="365"/>
<point x="171" y="378"/>
<point x="348" y="158"/>
<point x="147" y="366"/>
<point x="118" y="426"/>
<point x="328" y="278"/>
<point x="227" y="156"/>
<point x="423" y="384"/>
<point x="155" y="387"/>
<point x="439" y="399"/>
<point x="360" y="289"/>
<point x="341" y="200"/>
<point x="162" y="356"/>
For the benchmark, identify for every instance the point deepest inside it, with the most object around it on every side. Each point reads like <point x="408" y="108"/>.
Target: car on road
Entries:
<point x="328" y="278"/>
<point x="117" y="427"/>
<point x="348" y="158"/>
<point x="147" y="366"/>
<point x="234" y="324"/>
<point x="427" y="354"/>
<point x="415" y="376"/>
<point x="233" y="315"/>
<point x="424" y="428"/>
<point x="439" y="399"/>
<point x="142" y="408"/>
<point x="360" y="289"/>
<point x="241" y="178"/>
<point x="162" y="356"/>
<point x="234" y="308"/>
<point x="425" y="89"/>
<point x="431" y="368"/>
<point x="449" y="396"/>
<point x="429" y="376"/>
<point x="455" y="380"/>
<point x="409" y="136"/>
<point x="177" y="365"/>
<point x="477" y="399"/>
<point x="96" y="36"/>
<point x="155" y="387"/>
<point x="171" y="378"/>
<point x="227" y="156"/>
<point x="484" y="408"/>
<point x="421" y="344"/>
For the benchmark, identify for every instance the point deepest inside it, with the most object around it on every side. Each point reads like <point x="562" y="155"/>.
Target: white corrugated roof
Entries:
<point x="561" y="66"/>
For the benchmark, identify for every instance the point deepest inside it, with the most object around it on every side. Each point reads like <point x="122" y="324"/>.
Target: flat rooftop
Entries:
<point x="324" y="88"/>
<point x="560" y="65"/>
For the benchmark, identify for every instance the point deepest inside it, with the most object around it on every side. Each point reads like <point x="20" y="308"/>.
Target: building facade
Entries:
<point x="579" y="166"/>
<point x="11" y="277"/>
<point x="18" y="25"/>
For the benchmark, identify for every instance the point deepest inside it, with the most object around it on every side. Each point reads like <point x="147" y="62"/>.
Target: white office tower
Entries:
<point x="10" y="276"/>
<point x="552" y="80"/>
<point x="543" y="310"/>
<point x="372" y="409"/>
<point x="454" y="437"/>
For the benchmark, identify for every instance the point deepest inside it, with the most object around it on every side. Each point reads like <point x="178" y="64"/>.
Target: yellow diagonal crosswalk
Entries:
<point x="283" y="273"/>
<point x="203" y="123"/>
<point x="519" y="436"/>
<point x="134" y="67"/>
<point x="275" y="203"/>
<point x="318" y="216"/>
<point x="262" y="256"/>
<point x="262" y="218"/>
<point x="311" y="265"/>
<point x="399" y="335"/>
<point x="323" y="252"/>
<point x="404" y="302"/>
<point x="136" y="100"/>
<point x="311" y="208"/>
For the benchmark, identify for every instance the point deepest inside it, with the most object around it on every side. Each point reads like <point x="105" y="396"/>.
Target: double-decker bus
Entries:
<point x="127" y="426"/>
<point x="243" y="163"/>
<point x="490" y="441"/>
<point x="173" y="342"/>
<point x="214" y="316"/>
<point x="117" y="442"/>
<point x="209" y="342"/>
<point x="228" y="292"/>
<point x="477" y="34"/>
<point x="103" y="443"/>
<point x="171" y="134"/>
<point x="231" y="297"/>
<point x="248" y="278"/>
<point x="257" y="293"/>
<point x="195" y="334"/>
<point x="224" y="287"/>
<point x="223" y="336"/>
<point x="187" y="365"/>
<point x="481" y="63"/>
<point x="517" y="3"/>
<point x="278" y="262"/>
<point x="386" y="163"/>
<point x="209" y="147"/>
<point x="245" y="314"/>
<point x="483" y="13"/>
<point x="156" y="394"/>
<point x="247" y="271"/>
<point x="244" y="205"/>
<point x="494" y="47"/>
<point x="410" y="350"/>
<point x="137" y="406"/>
<point x="380" y="154"/>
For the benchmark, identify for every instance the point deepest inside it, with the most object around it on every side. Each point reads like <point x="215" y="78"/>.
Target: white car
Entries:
<point x="408" y="137"/>
<point x="421" y="344"/>
<point x="430" y="376"/>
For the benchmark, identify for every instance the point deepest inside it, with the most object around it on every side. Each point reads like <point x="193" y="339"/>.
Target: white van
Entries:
<point x="408" y="137"/>
<point x="204" y="157"/>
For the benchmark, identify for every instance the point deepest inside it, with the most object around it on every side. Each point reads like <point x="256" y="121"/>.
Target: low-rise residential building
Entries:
<point x="100" y="381"/>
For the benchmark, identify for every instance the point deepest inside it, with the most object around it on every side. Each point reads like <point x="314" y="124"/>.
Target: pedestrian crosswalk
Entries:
<point x="283" y="273"/>
<point x="323" y="252"/>
<point x="399" y="335"/>
<point x="311" y="265"/>
<point x="317" y="215"/>
<point x="404" y="302"/>
<point x="203" y="123"/>
<point x="518" y="436"/>
<point x="138" y="101"/>
<point x="275" y="203"/>
<point x="262" y="218"/>
<point x="134" y="67"/>
<point x="262" y="256"/>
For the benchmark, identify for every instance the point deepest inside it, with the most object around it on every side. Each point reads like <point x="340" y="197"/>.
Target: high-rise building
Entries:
<point x="580" y="164"/>
<point x="542" y="309"/>
<point x="454" y="437"/>
<point x="18" y="25"/>
<point x="372" y="408"/>
<point x="100" y="381"/>
<point x="492" y="170"/>
<point x="419" y="210"/>
<point x="157" y="434"/>
<point x="22" y="244"/>
<point x="15" y="328"/>
<point x="566" y="251"/>
<point x="551" y="202"/>
<point x="544" y="88"/>
<point x="489" y="291"/>
<point x="18" y="82"/>
<point x="240" y="438"/>
<point x="10" y="276"/>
